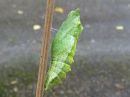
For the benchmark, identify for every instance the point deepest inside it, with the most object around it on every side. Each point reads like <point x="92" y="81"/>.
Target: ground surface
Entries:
<point x="102" y="62"/>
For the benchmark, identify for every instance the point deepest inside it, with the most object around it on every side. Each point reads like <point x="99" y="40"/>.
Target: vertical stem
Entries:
<point x="44" y="49"/>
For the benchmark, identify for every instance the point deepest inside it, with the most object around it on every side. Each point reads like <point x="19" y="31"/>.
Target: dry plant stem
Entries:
<point x="44" y="49"/>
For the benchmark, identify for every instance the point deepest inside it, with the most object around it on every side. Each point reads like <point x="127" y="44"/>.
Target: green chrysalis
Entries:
<point x="63" y="49"/>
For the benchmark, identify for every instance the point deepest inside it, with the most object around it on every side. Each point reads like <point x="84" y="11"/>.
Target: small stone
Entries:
<point x="20" y="12"/>
<point x="119" y="27"/>
<point x="61" y="92"/>
<point x="119" y="86"/>
<point x="36" y="27"/>
<point x="14" y="82"/>
<point x="59" y="10"/>
<point x="15" y="89"/>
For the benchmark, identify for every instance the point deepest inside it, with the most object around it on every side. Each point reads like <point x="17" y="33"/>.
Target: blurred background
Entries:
<point x="102" y="61"/>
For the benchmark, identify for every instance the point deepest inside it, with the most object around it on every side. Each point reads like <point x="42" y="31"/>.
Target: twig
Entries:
<point x="44" y="49"/>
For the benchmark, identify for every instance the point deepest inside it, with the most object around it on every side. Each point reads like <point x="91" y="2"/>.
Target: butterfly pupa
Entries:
<point x="63" y="49"/>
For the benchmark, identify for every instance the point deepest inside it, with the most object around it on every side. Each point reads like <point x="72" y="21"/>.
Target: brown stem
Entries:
<point x="44" y="49"/>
